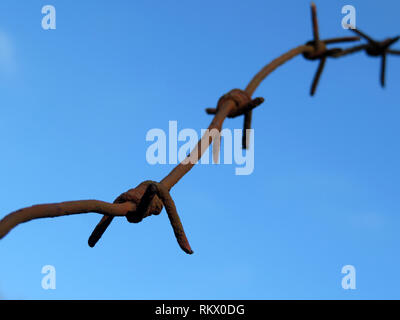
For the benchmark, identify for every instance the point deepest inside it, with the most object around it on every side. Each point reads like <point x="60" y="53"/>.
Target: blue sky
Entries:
<point x="77" y="102"/>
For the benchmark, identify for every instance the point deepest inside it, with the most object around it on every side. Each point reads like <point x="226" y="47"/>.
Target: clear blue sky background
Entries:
<point x="76" y="103"/>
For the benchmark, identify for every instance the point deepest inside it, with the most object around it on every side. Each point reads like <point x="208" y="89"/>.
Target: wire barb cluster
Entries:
<point x="243" y="103"/>
<point x="373" y="48"/>
<point x="149" y="197"/>
<point x="320" y="51"/>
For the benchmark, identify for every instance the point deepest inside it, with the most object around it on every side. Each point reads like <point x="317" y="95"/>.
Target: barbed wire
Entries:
<point x="150" y="197"/>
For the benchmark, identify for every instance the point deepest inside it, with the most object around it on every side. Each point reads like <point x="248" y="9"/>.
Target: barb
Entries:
<point x="173" y="216"/>
<point x="373" y="48"/>
<point x="318" y="75"/>
<point x="240" y="110"/>
<point x="244" y="105"/>
<point x="315" y="27"/>
<point x="347" y="51"/>
<point x="149" y="197"/>
<point x="148" y="207"/>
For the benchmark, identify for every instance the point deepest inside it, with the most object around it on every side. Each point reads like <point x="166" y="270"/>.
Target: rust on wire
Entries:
<point x="150" y="197"/>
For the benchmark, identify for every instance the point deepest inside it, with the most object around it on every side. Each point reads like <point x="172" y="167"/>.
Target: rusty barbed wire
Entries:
<point x="315" y="49"/>
<point x="150" y="197"/>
